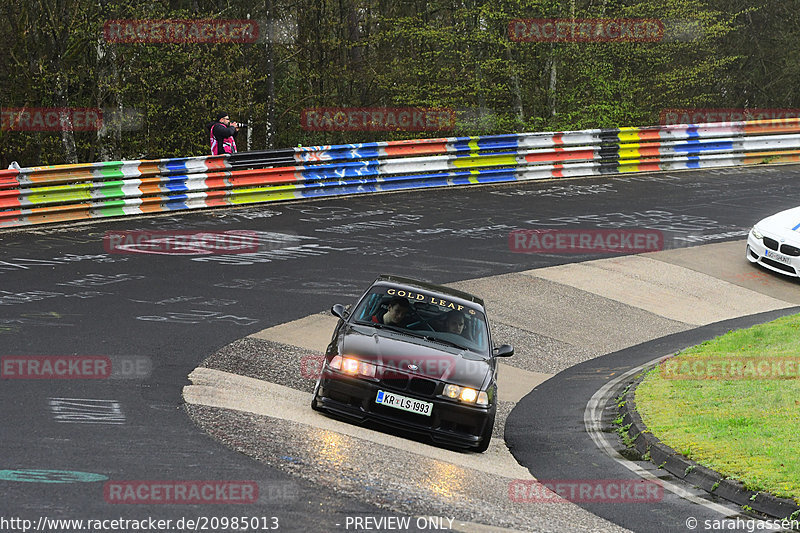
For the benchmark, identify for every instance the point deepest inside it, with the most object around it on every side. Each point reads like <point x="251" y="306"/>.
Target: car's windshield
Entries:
<point x="434" y="317"/>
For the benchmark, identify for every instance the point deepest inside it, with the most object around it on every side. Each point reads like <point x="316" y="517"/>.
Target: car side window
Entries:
<point x="370" y="308"/>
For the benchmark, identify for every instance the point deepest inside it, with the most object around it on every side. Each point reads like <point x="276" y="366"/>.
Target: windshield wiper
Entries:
<point x="378" y="325"/>
<point x="444" y="341"/>
<point x="412" y="333"/>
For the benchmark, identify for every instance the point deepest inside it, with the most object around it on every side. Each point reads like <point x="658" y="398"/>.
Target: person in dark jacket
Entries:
<point x="396" y="312"/>
<point x="222" y="135"/>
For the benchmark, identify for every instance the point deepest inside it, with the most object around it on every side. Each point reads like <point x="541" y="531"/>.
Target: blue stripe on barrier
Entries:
<point x="340" y="170"/>
<point x="177" y="183"/>
<point x="175" y="165"/>
<point x="698" y="146"/>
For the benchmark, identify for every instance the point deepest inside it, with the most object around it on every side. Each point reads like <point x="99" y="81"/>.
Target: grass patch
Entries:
<point x="745" y="428"/>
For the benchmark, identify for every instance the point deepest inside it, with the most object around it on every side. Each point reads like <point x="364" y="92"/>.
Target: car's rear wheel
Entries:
<point x="486" y="436"/>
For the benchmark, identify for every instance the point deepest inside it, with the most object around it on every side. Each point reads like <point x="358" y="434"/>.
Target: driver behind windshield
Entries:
<point x="395" y="314"/>
<point x="454" y="322"/>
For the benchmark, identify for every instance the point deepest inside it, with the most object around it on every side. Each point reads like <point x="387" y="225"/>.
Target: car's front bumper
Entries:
<point x="449" y="423"/>
<point x="757" y="252"/>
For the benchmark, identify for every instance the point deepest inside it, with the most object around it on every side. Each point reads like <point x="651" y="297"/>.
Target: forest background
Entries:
<point x="159" y="98"/>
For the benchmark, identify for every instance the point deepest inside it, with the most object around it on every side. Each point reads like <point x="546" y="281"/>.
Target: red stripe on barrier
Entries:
<point x="271" y="176"/>
<point x="217" y="198"/>
<point x="649" y="151"/>
<point x="9" y="199"/>
<point x="650" y="135"/>
<point x="219" y="162"/>
<point x="218" y="181"/>
<point x="417" y="149"/>
<point x="8" y="179"/>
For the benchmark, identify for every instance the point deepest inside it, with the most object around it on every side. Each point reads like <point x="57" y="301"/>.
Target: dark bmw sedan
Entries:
<point x="414" y="356"/>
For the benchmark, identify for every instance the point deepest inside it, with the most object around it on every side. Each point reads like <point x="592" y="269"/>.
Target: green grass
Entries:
<point x="746" y="429"/>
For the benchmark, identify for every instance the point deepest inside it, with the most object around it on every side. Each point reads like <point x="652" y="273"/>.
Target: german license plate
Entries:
<point x="404" y="403"/>
<point x="777" y="257"/>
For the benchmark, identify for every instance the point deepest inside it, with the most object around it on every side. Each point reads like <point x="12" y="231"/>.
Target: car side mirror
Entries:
<point x="505" y="350"/>
<point x="339" y="310"/>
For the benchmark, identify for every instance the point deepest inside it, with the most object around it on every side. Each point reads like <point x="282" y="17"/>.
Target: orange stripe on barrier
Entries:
<point x="150" y="188"/>
<point x="774" y="126"/>
<point x="60" y="176"/>
<point x="756" y="159"/>
<point x="148" y="168"/>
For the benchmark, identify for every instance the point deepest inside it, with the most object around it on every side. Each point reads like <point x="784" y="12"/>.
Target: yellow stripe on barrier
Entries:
<point x="485" y="161"/>
<point x="629" y="134"/>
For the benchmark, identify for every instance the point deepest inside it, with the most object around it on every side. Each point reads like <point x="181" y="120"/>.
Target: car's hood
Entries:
<point x="408" y="354"/>
<point x="784" y="224"/>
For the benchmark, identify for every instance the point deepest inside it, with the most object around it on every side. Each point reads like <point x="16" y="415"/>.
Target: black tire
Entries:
<point x="486" y="436"/>
<point x="314" y="404"/>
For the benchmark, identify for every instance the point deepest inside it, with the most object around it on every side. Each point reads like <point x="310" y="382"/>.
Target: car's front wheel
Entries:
<point x="314" y="403"/>
<point x="486" y="436"/>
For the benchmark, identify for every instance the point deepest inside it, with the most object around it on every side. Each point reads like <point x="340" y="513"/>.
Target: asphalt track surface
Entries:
<point x="62" y="294"/>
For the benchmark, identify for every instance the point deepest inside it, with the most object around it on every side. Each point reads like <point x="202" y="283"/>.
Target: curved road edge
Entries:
<point x="567" y="449"/>
<point x="645" y="442"/>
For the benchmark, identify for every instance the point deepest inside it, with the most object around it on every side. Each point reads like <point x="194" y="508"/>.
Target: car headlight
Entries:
<point x="352" y="366"/>
<point x="757" y="234"/>
<point x="466" y="394"/>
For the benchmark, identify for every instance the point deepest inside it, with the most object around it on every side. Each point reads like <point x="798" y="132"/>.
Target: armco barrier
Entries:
<point x="77" y="192"/>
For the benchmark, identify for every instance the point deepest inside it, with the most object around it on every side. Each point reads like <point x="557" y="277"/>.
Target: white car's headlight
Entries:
<point x="757" y="234"/>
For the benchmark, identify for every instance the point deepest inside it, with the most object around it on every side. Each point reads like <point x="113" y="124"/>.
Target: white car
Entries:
<point x="774" y="242"/>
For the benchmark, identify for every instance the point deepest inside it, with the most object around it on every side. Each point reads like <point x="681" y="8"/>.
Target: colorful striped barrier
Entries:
<point x="62" y="193"/>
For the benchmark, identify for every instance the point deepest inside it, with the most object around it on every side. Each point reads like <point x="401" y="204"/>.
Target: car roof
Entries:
<point x="413" y="283"/>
